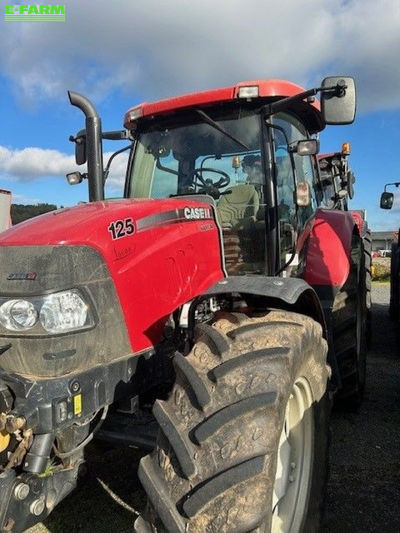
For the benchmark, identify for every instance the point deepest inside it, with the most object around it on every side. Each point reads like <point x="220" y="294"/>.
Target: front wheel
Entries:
<point x="244" y="434"/>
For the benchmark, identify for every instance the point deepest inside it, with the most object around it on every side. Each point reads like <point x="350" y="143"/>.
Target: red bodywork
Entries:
<point x="329" y="238"/>
<point x="168" y="259"/>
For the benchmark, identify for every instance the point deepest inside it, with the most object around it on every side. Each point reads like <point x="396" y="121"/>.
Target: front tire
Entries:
<point x="242" y="431"/>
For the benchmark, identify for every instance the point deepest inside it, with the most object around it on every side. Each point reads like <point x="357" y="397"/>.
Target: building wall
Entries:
<point x="382" y="240"/>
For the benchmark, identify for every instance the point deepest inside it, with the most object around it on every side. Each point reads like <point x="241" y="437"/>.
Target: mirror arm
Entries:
<point x="281" y="105"/>
<point x="396" y="184"/>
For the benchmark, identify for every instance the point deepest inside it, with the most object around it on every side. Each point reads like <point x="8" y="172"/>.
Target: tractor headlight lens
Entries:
<point x="18" y="315"/>
<point x="56" y="313"/>
<point x="63" y="311"/>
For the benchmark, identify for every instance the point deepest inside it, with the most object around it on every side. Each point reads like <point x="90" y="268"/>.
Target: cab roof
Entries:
<point x="309" y="112"/>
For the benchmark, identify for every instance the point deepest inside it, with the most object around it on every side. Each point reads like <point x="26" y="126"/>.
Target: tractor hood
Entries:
<point x="97" y="224"/>
<point x="157" y="254"/>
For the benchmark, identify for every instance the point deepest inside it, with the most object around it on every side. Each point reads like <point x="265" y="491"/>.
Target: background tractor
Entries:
<point x="209" y="316"/>
<point x="337" y="182"/>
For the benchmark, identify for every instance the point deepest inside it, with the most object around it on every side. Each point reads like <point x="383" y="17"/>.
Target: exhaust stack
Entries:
<point x="93" y="145"/>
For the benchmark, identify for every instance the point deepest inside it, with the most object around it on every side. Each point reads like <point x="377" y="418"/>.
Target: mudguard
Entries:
<point x="327" y="257"/>
<point x="287" y="293"/>
<point x="360" y="221"/>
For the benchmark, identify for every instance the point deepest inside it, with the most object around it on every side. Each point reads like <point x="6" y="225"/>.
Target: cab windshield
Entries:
<point x="186" y="155"/>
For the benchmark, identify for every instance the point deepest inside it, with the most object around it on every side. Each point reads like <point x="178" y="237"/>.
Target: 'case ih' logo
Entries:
<point x="21" y="276"/>
<point x="197" y="213"/>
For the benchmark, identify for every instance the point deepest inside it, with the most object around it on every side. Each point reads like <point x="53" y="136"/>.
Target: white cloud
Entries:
<point x="31" y="163"/>
<point x="158" y="49"/>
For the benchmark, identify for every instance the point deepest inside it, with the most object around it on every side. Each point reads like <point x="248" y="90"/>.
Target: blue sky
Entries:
<point x="123" y="52"/>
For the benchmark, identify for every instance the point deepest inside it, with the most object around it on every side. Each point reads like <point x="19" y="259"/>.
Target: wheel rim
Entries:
<point x="294" y="462"/>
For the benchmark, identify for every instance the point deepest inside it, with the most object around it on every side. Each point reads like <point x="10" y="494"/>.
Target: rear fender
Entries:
<point x="327" y="257"/>
<point x="360" y="221"/>
<point x="327" y="266"/>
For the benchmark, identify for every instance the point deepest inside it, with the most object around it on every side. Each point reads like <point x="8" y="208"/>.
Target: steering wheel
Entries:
<point x="208" y="186"/>
<point x="207" y="183"/>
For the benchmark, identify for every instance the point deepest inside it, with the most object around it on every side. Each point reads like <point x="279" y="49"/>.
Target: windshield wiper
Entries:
<point x="215" y="125"/>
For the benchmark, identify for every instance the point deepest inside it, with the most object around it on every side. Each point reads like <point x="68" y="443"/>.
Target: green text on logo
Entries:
<point x="35" y="13"/>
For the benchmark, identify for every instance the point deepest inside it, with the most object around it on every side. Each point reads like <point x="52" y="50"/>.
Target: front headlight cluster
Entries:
<point x="60" y="312"/>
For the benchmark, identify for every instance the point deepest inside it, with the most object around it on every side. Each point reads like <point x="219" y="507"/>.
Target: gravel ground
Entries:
<point x="364" y="487"/>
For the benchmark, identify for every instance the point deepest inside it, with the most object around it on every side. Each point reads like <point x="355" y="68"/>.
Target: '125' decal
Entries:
<point x="121" y="228"/>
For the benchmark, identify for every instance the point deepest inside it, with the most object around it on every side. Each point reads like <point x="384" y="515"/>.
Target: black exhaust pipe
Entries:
<point x="93" y="145"/>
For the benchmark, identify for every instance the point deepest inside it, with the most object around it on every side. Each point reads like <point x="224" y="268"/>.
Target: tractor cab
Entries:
<point x="247" y="150"/>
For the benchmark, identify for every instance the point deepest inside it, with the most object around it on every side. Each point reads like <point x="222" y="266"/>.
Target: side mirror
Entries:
<point x="338" y="100"/>
<point x="80" y="147"/>
<point x="305" y="147"/>
<point x="387" y="200"/>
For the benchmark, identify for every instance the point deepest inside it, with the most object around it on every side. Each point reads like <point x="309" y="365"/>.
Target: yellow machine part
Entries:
<point x="4" y="440"/>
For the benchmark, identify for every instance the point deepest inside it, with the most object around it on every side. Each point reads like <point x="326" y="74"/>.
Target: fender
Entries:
<point x="358" y="219"/>
<point x="327" y="257"/>
<point x="284" y="293"/>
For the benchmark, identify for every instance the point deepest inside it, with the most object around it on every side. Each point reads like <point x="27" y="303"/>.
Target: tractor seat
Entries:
<point x="240" y="203"/>
<point x="243" y="238"/>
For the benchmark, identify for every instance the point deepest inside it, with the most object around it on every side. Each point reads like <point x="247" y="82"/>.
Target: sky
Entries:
<point x="123" y="52"/>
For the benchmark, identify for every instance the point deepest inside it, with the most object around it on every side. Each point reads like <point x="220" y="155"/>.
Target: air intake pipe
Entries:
<point x="93" y="145"/>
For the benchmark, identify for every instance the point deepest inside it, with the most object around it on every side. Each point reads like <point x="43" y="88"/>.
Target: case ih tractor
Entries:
<point x="387" y="199"/>
<point x="218" y="301"/>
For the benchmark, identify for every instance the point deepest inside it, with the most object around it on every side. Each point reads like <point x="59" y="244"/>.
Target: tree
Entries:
<point x="20" y="212"/>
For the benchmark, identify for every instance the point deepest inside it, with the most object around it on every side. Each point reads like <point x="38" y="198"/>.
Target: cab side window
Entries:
<point x="304" y="169"/>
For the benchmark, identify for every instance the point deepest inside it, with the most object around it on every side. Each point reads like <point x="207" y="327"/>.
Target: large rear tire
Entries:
<point x="368" y="284"/>
<point x="244" y="434"/>
<point x="349" y="331"/>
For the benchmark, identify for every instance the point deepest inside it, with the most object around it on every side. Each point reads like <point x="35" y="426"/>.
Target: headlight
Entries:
<point x="64" y="311"/>
<point x="60" y="312"/>
<point x="17" y="315"/>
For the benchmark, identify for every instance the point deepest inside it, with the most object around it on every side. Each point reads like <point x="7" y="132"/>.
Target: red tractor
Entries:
<point x="217" y="305"/>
